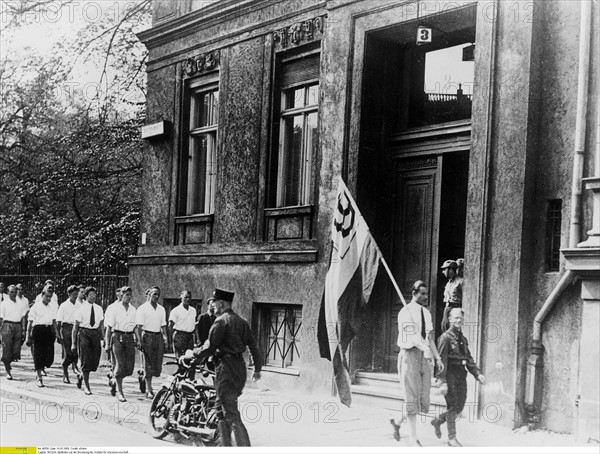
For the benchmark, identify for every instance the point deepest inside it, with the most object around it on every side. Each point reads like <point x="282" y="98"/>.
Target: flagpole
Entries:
<point x="389" y="272"/>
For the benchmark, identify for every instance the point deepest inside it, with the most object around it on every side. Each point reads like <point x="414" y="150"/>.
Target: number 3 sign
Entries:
<point x="423" y="35"/>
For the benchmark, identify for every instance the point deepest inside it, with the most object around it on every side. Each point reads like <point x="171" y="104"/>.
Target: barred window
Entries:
<point x="553" y="234"/>
<point x="280" y="334"/>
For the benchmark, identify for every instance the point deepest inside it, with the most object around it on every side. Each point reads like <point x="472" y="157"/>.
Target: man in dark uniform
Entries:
<point x="454" y="350"/>
<point x="453" y="292"/>
<point x="228" y="338"/>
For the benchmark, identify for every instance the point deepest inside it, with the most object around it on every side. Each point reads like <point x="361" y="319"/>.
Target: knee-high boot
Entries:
<point x="240" y="433"/>
<point x="225" y="431"/>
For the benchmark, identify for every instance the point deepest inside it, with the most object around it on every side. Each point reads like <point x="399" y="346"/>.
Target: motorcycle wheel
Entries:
<point x="166" y="399"/>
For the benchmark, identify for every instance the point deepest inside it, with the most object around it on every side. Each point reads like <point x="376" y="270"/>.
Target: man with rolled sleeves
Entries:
<point x="87" y="336"/>
<point x="12" y="328"/>
<point x="454" y="351"/>
<point x="182" y="321"/>
<point x="417" y="349"/>
<point x="151" y="322"/>
<point x="228" y="339"/>
<point x="65" y="320"/>
<point x="453" y="292"/>
<point x="41" y="332"/>
<point x="120" y="339"/>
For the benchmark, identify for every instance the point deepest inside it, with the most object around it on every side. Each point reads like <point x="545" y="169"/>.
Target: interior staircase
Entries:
<point x="384" y="390"/>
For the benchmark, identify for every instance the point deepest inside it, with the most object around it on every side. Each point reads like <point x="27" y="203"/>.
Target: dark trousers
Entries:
<point x="456" y="378"/>
<point x="68" y="355"/>
<point x="229" y="382"/>
<point x="154" y="348"/>
<point x="11" y="341"/>
<point x="182" y="341"/>
<point x="89" y="349"/>
<point x="42" y="346"/>
<point x="123" y="350"/>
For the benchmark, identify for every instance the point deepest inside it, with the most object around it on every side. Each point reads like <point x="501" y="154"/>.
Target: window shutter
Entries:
<point x="300" y="70"/>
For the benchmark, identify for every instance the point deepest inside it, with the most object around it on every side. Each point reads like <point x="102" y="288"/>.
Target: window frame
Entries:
<point x="274" y="193"/>
<point x="193" y="89"/>
<point x="268" y="336"/>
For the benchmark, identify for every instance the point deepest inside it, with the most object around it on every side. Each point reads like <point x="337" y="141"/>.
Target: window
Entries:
<point x="279" y="333"/>
<point x="553" y="234"/>
<point x="296" y="131"/>
<point x="200" y="160"/>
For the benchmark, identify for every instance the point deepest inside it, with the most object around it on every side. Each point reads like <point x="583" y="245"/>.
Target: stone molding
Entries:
<point x="202" y="63"/>
<point x="299" y="33"/>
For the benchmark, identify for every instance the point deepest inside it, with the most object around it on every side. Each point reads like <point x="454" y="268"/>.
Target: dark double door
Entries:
<point x="429" y="212"/>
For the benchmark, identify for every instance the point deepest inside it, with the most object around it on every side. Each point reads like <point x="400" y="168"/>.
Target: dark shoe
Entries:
<point x="66" y="380"/>
<point x="79" y="380"/>
<point x="142" y="382"/>
<point x="9" y="376"/>
<point x="454" y="442"/>
<point x="436" y="426"/>
<point x="396" y="427"/>
<point x="113" y="388"/>
<point x="87" y="392"/>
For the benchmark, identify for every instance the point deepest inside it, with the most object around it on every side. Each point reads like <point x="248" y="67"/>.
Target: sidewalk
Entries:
<point x="272" y="418"/>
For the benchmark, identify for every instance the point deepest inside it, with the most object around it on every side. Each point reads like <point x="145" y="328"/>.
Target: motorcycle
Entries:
<point x="185" y="406"/>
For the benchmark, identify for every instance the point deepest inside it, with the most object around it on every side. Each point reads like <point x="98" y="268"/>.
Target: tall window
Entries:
<point x="202" y="150"/>
<point x="296" y="131"/>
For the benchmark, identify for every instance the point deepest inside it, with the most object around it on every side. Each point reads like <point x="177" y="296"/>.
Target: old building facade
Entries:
<point x="460" y="127"/>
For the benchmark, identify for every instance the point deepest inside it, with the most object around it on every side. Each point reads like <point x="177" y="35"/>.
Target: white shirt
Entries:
<point x="66" y="312"/>
<point x="24" y="300"/>
<point x="409" y="327"/>
<point x="85" y="311"/>
<point x="54" y="299"/>
<point x="109" y="309"/>
<point x="42" y="314"/>
<point x="120" y="319"/>
<point x="151" y="319"/>
<point x="184" y="319"/>
<point x="13" y="311"/>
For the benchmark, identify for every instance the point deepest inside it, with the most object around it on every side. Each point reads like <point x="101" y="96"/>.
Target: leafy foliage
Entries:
<point x="70" y="165"/>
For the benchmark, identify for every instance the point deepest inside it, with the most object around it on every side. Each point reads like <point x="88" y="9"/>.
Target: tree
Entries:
<point x="70" y="163"/>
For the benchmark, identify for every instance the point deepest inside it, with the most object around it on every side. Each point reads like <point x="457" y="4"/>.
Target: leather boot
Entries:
<point x="240" y="433"/>
<point x="225" y="431"/>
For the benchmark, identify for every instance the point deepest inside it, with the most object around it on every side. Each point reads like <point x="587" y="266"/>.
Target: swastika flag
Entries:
<point x="348" y="285"/>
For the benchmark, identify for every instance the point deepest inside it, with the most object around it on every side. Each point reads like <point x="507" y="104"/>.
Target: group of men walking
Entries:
<point x="82" y="328"/>
<point x="419" y="353"/>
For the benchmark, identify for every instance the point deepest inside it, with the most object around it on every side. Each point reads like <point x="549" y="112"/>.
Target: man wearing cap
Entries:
<point x="182" y="320"/>
<point x="12" y="328"/>
<point x="454" y="351"/>
<point x="453" y="291"/>
<point x="228" y="339"/>
<point x="41" y="332"/>
<point x="65" y="320"/>
<point x="151" y="322"/>
<point x="87" y="336"/>
<point x="205" y="322"/>
<point x="417" y="346"/>
<point x="120" y="339"/>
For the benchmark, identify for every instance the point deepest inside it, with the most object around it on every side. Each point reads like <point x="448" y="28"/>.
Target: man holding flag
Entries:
<point x="352" y="270"/>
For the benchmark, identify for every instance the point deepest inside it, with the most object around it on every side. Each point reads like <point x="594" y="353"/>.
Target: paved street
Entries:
<point x="66" y="416"/>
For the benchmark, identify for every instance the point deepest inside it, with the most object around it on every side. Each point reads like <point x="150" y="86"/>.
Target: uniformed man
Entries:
<point x="182" y="321"/>
<point x="41" y="333"/>
<point x="151" y="322"/>
<point x="205" y="322"/>
<point x="65" y="320"/>
<point x="12" y="328"/>
<point x="454" y="351"/>
<point x="228" y="339"/>
<point x="120" y="339"/>
<point x="453" y="292"/>
<point x="417" y="347"/>
<point x="87" y="336"/>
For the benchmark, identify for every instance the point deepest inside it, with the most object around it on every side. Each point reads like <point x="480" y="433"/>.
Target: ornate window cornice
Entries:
<point x="202" y="63"/>
<point x="299" y="33"/>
